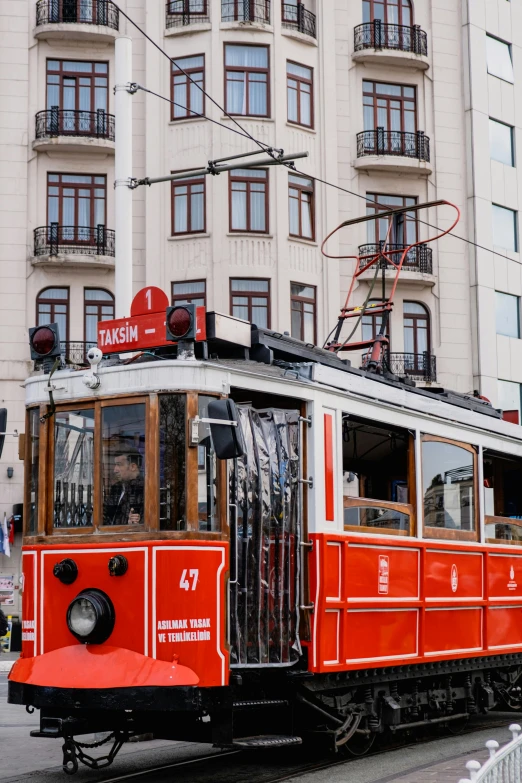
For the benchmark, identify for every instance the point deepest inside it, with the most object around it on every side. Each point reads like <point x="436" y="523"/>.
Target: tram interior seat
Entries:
<point x="376" y="475"/>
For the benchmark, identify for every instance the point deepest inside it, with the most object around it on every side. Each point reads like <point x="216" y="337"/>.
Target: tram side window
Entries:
<point x="73" y="468"/>
<point x="123" y="464"/>
<point x="172" y="477"/>
<point x="207" y="473"/>
<point x="448" y="482"/>
<point x="503" y="498"/>
<point x="378" y="483"/>
<point x="33" y="468"/>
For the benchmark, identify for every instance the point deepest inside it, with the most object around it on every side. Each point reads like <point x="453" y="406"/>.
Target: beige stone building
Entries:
<point x="396" y="101"/>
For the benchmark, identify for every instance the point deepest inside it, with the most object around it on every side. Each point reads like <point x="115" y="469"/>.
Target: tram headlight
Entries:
<point x="90" y="617"/>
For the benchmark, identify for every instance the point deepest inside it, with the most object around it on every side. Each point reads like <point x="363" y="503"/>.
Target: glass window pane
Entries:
<point x="257" y="286"/>
<point x="188" y="288"/>
<point x="187" y="63"/>
<point x="501" y="142"/>
<point x="238" y="218"/>
<point x="73" y="468"/>
<point x="299" y="70"/>
<point x="499" y="60"/>
<point x="509" y="401"/>
<point x="207" y="473"/>
<point x="448" y="486"/>
<point x="504" y="228"/>
<point x="123" y="464"/>
<point x="172" y="485"/>
<point x="34" y="466"/>
<point x="507" y="314"/>
<point x="306" y="291"/>
<point x="98" y="295"/>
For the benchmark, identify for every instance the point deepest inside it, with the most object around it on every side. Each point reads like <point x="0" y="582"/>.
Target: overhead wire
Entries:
<point x="266" y="148"/>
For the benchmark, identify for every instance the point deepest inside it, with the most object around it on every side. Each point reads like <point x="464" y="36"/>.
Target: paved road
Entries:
<point x="442" y="760"/>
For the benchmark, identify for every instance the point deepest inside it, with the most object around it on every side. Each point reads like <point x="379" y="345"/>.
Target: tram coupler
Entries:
<point x="73" y="752"/>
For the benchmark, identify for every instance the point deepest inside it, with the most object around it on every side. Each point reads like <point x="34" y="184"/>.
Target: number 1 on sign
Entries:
<point x="148" y="295"/>
<point x="184" y="582"/>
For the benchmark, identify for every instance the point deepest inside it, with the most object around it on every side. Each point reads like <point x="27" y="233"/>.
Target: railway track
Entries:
<point x="278" y="766"/>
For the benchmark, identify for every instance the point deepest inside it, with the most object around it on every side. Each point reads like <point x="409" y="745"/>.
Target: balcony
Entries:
<point x="391" y="44"/>
<point x="76" y="353"/>
<point x="246" y="11"/>
<point x="296" y="18"/>
<point x="94" y="20"/>
<point x="78" y="246"/>
<point x="417" y="366"/>
<point x="74" y="130"/>
<point x="418" y="259"/>
<point x="398" y="151"/>
<point x="183" y="13"/>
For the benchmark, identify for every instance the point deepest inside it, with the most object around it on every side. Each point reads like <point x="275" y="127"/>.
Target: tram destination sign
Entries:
<point x="146" y="326"/>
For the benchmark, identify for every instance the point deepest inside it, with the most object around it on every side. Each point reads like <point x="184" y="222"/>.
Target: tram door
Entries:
<point x="265" y="496"/>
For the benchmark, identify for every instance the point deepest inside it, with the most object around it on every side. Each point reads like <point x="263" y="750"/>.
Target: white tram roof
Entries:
<point x="345" y="390"/>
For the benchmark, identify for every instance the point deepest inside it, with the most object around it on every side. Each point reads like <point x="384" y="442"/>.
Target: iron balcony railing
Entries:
<point x="297" y="17"/>
<point x="420" y="366"/>
<point x="380" y="35"/>
<point x="56" y="122"/>
<point x="100" y="12"/>
<point x="245" y="11"/>
<point x="76" y="353"/>
<point x="184" y="12"/>
<point x="392" y="142"/>
<point x="418" y="259"/>
<point x="55" y="239"/>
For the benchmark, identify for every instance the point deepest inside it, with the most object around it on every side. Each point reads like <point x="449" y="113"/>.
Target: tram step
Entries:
<point x="257" y="703"/>
<point x="265" y="741"/>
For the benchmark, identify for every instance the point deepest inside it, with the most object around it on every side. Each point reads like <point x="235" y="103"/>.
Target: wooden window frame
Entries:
<point x="238" y="17"/>
<point x="300" y="80"/>
<point x="445" y="533"/>
<point x="76" y="186"/>
<point x="187" y="9"/>
<point x="388" y="98"/>
<point x="43" y="300"/>
<point x="249" y="181"/>
<point x="415" y="317"/>
<point x="302" y="189"/>
<point x="95" y="303"/>
<point x="304" y="300"/>
<point x="502" y="521"/>
<point x="376" y="207"/>
<point x="77" y="75"/>
<point x="246" y="70"/>
<point x="180" y="298"/>
<point x="252" y="295"/>
<point x="385" y="4"/>
<point x="190" y="72"/>
<point x="189" y="183"/>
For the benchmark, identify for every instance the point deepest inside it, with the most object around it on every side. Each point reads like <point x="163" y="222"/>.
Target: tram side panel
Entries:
<point x="379" y="603"/>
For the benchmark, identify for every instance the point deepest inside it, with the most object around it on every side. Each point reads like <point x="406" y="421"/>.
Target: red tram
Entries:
<point x="262" y="545"/>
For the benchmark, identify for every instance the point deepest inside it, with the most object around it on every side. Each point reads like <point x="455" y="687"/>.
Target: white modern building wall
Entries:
<point x="323" y="76"/>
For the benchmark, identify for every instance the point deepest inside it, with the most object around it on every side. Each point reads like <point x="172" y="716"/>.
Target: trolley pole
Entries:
<point x="123" y="173"/>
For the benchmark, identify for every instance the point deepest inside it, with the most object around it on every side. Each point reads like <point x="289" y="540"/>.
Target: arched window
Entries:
<point x="416" y="329"/>
<point x="52" y="306"/>
<point x="98" y="306"/>
<point x="371" y="324"/>
<point x="388" y="11"/>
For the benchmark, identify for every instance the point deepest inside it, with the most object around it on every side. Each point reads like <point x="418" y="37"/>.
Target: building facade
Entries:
<point x="397" y="102"/>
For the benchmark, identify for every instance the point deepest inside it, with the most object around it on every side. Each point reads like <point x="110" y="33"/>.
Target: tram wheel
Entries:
<point x="359" y="744"/>
<point x="455" y="727"/>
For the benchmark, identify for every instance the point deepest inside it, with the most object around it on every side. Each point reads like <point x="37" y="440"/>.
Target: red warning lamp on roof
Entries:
<point x="44" y="342"/>
<point x="181" y="322"/>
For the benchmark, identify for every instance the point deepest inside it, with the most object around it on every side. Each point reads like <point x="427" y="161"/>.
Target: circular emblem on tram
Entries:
<point x="454" y="578"/>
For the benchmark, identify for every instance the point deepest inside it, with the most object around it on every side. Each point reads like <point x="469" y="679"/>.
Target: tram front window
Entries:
<point x="73" y="468"/>
<point x="123" y="464"/>
<point x="33" y="469"/>
<point x="172" y="444"/>
<point x="207" y="473"/>
<point x="448" y="478"/>
<point x="503" y="498"/>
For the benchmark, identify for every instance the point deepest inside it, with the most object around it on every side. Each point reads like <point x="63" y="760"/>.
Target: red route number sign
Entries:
<point x="146" y="327"/>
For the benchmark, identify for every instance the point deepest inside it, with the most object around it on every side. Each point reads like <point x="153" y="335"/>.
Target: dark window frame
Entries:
<point x="98" y="303"/>
<point x="249" y="180"/>
<point x="302" y="189"/>
<point x="190" y="71"/>
<point x="385" y="3"/>
<point x="302" y="300"/>
<point x="181" y="298"/>
<point x="372" y="321"/>
<point x="186" y="9"/>
<point x="252" y="295"/>
<point x="189" y="183"/>
<point x="252" y="4"/>
<point x="373" y="206"/>
<point x="300" y="80"/>
<point x="52" y="302"/>
<point x="247" y="70"/>
<point x="76" y="186"/>
<point x="402" y="99"/>
<point x="77" y="75"/>
<point x="418" y="318"/>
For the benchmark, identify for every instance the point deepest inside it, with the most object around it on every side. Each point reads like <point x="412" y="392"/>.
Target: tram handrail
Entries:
<point x="503" y="765"/>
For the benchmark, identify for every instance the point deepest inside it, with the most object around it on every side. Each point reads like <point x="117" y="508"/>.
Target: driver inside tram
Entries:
<point x="124" y="506"/>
